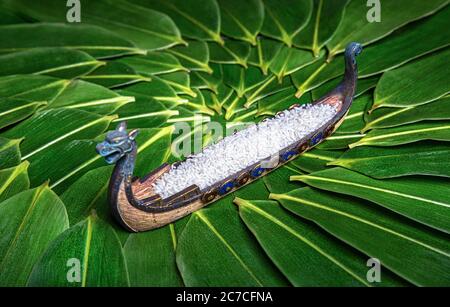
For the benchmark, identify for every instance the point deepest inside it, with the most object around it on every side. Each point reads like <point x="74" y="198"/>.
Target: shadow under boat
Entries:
<point x="138" y="208"/>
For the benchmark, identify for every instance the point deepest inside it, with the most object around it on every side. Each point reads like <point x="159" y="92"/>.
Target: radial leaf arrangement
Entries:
<point x="377" y="188"/>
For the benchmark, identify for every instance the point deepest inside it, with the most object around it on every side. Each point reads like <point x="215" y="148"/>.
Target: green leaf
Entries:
<point x="397" y="88"/>
<point x="255" y="189"/>
<point x="153" y="63"/>
<point x="7" y="17"/>
<point x="224" y="94"/>
<point x="115" y="74"/>
<point x="202" y="80"/>
<point x="415" y="253"/>
<point x="278" y="180"/>
<point x="48" y="128"/>
<point x="280" y="101"/>
<point x="282" y="21"/>
<point x="74" y="159"/>
<point x="86" y="96"/>
<point x="233" y="105"/>
<point x="198" y="19"/>
<point x="92" y="247"/>
<point x="238" y="23"/>
<point x="391" y="117"/>
<point x="180" y="81"/>
<point x="356" y="26"/>
<point x="231" y="52"/>
<point x="244" y="80"/>
<point x="354" y="121"/>
<point x="234" y="258"/>
<point x="14" y="110"/>
<point x="326" y="16"/>
<point x="421" y="199"/>
<point x="35" y="218"/>
<point x="157" y="89"/>
<point x="14" y="180"/>
<point x="198" y="104"/>
<point x="315" y="160"/>
<point x="396" y="49"/>
<point x="147" y="29"/>
<point x="150" y="258"/>
<point x="31" y="88"/>
<point x="306" y="79"/>
<point x="340" y="141"/>
<point x="306" y="256"/>
<point x="56" y="62"/>
<point x="194" y="56"/>
<point x="93" y="40"/>
<point x="245" y="115"/>
<point x="289" y="60"/>
<point x="88" y="193"/>
<point x="266" y="51"/>
<point x="269" y="87"/>
<point x="414" y="159"/>
<point x="212" y="101"/>
<point x="145" y="112"/>
<point x="9" y="153"/>
<point x="253" y="56"/>
<point x="223" y="99"/>
<point x="439" y="131"/>
<point x="234" y="77"/>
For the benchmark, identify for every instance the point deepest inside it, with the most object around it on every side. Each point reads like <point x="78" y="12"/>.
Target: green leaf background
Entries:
<point x="377" y="188"/>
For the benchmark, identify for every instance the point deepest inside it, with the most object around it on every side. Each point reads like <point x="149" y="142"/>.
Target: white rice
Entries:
<point x="238" y="151"/>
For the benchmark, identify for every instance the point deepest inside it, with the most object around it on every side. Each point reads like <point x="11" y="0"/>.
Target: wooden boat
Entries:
<point x="138" y="208"/>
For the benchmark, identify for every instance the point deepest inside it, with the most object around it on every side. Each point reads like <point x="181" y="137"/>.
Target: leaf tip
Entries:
<point x="17" y="141"/>
<point x="334" y="163"/>
<point x="239" y="201"/>
<point x="353" y="145"/>
<point x="217" y="38"/>
<point x="44" y="185"/>
<point x="274" y="196"/>
<point x="183" y="42"/>
<point x="296" y="178"/>
<point x="365" y="129"/>
<point x="316" y="51"/>
<point x="112" y="117"/>
<point x="141" y="51"/>
<point x="24" y="165"/>
<point x="93" y="214"/>
<point x="299" y="93"/>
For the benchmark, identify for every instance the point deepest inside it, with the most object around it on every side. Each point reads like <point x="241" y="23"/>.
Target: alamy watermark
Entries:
<point x="374" y="13"/>
<point x="74" y="11"/>
<point x="74" y="271"/>
<point x="374" y="273"/>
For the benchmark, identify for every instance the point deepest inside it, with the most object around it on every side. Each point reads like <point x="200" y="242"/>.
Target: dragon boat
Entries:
<point x="137" y="207"/>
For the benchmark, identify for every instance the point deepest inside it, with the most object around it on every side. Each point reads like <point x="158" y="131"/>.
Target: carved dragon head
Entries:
<point x="117" y="144"/>
<point x="351" y="51"/>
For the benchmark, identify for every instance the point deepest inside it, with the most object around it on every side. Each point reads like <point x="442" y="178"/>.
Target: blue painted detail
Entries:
<point x="257" y="172"/>
<point x="316" y="139"/>
<point x="227" y="187"/>
<point x="287" y="155"/>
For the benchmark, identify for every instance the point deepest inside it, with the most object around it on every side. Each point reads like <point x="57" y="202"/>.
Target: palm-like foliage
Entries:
<point x="377" y="188"/>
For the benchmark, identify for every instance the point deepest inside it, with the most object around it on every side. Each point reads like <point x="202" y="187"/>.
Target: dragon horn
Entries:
<point x="122" y="126"/>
